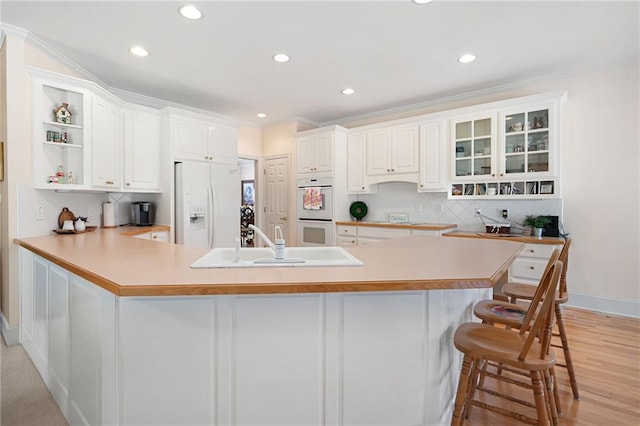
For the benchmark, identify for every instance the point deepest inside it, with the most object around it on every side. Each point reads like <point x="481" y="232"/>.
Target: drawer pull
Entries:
<point x="532" y="250"/>
<point x="532" y="267"/>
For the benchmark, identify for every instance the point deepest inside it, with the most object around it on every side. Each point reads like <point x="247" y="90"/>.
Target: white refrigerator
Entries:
<point x="207" y="204"/>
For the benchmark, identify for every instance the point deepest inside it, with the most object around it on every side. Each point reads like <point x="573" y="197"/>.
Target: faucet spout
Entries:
<point x="264" y="237"/>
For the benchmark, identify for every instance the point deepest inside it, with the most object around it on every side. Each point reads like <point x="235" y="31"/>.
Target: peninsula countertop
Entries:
<point x="128" y="266"/>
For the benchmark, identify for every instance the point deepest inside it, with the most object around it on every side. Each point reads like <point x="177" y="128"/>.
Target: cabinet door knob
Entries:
<point x="493" y="174"/>
<point x="363" y="187"/>
<point x="532" y="267"/>
<point x="393" y="170"/>
<point x="128" y="184"/>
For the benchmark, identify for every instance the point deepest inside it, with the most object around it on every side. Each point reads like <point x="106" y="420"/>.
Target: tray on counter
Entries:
<point x="73" y="231"/>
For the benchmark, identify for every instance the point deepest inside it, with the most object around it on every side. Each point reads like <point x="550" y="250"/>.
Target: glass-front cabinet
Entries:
<point x="475" y="142"/>
<point x="526" y="142"/>
<point x="508" y="152"/>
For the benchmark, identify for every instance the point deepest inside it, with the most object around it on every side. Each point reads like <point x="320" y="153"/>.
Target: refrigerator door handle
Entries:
<point x="212" y="219"/>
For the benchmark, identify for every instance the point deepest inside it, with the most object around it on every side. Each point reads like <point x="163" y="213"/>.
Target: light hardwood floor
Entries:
<point x="606" y="357"/>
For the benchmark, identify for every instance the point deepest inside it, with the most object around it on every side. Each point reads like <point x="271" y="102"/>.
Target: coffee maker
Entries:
<point x="142" y="213"/>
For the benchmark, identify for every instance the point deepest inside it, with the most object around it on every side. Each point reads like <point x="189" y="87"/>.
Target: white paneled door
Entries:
<point x="277" y="196"/>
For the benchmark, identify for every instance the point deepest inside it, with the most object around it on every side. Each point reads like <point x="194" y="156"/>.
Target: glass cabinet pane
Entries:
<point x="538" y="162"/>
<point x="463" y="149"/>
<point x="463" y="130"/>
<point x="539" y="119"/>
<point x="515" y="123"/>
<point x="482" y="147"/>
<point x="515" y="163"/>
<point x="482" y="128"/>
<point x="463" y="167"/>
<point x="514" y="143"/>
<point x="482" y="166"/>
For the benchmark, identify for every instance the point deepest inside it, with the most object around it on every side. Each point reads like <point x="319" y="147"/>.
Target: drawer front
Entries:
<point x="539" y="251"/>
<point x="346" y="230"/>
<point x="382" y="232"/>
<point x="529" y="270"/>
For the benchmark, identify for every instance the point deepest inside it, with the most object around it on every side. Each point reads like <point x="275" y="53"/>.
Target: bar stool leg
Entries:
<point x="567" y="354"/>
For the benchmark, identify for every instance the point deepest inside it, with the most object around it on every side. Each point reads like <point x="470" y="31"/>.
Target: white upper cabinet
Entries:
<point x="510" y="151"/>
<point x="433" y="150"/>
<point x="391" y="153"/>
<point x="356" y="164"/>
<point x="202" y="140"/>
<point x="141" y="150"/>
<point x="315" y="153"/>
<point x="474" y="146"/>
<point x="106" y="138"/>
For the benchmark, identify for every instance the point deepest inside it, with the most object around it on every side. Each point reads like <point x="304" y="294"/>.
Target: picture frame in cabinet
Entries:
<point x="248" y="192"/>
<point x="546" y="187"/>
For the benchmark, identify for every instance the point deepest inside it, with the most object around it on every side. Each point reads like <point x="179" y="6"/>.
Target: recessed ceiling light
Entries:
<point x="421" y="1"/>
<point x="261" y="115"/>
<point x="281" y="57"/>
<point x="466" y="58"/>
<point x="190" y="12"/>
<point x="348" y="91"/>
<point x="139" y="51"/>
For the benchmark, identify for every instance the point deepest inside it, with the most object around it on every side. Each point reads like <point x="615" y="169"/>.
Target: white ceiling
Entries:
<point x="393" y="53"/>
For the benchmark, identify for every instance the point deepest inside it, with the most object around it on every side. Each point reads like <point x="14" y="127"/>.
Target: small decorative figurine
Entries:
<point x="63" y="115"/>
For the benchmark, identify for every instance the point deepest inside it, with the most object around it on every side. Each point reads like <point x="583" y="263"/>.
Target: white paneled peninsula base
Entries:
<point x="123" y="332"/>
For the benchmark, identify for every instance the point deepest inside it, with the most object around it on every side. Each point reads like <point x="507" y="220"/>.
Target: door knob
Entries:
<point x="283" y="218"/>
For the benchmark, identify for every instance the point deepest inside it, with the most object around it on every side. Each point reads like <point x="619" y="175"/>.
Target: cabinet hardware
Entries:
<point x="109" y="182"/>
<point x="532" y="267"/>
<point x="283" y="218"/>
<point x="128" y="184"/>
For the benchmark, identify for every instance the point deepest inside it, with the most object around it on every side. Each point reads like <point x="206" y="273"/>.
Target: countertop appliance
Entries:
<point x="207" y="204"/>
<point x="142" y="213"/>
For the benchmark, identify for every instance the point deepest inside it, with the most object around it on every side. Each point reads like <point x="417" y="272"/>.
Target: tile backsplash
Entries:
<point x="437" y="208"/>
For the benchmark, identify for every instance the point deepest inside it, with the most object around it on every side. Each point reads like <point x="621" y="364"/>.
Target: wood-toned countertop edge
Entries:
<point x="131" y="230"/>
<point x="519" y="239"/>
<point x="426" y="226"/>
<point x="301" y="288"/>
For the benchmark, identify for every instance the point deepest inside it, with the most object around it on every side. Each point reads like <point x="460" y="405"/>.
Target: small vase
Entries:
<point x="80" y="225"/>
<point x="536" y="232"/>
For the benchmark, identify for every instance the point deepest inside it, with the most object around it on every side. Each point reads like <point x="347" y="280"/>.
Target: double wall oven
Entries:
<point x="314" y="206"/>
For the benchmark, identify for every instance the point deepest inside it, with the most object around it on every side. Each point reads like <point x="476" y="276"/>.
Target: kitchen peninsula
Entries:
<point x="124" y="332"/>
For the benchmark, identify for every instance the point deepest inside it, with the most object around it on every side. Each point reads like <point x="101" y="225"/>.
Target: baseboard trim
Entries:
<point x="609" y="305"/>
<point x="11" y="334"/>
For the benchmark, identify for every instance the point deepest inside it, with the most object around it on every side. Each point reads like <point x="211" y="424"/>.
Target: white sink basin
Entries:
<point x="263" y="257"/>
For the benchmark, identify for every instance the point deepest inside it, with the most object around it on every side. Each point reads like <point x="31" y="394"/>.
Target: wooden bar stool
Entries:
<point x="526" y="351"/>
<point x="516" y="291"/>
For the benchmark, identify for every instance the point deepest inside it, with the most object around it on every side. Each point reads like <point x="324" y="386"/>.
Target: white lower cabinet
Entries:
<point x="160" y="236"/>
<point x="529" y="266"/>
<point x="353" y="235"/>
<point x="67" y="328"/>
<point x="279" y="359"/>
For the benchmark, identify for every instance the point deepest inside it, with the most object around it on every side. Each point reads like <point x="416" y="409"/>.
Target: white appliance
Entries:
<point x="321" y="208"/>
<point x="315" y="212"/>
<point x="315" y="233"/>
<point x="207" y="204"/>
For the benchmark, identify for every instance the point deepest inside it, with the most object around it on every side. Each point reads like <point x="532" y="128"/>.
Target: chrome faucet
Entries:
<point x="278" y="247"/>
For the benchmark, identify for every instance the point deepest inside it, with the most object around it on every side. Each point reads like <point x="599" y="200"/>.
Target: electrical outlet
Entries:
<point x="505" y="213"/>
<point x="39" y="213"/>
<point x="478" y="211"/>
